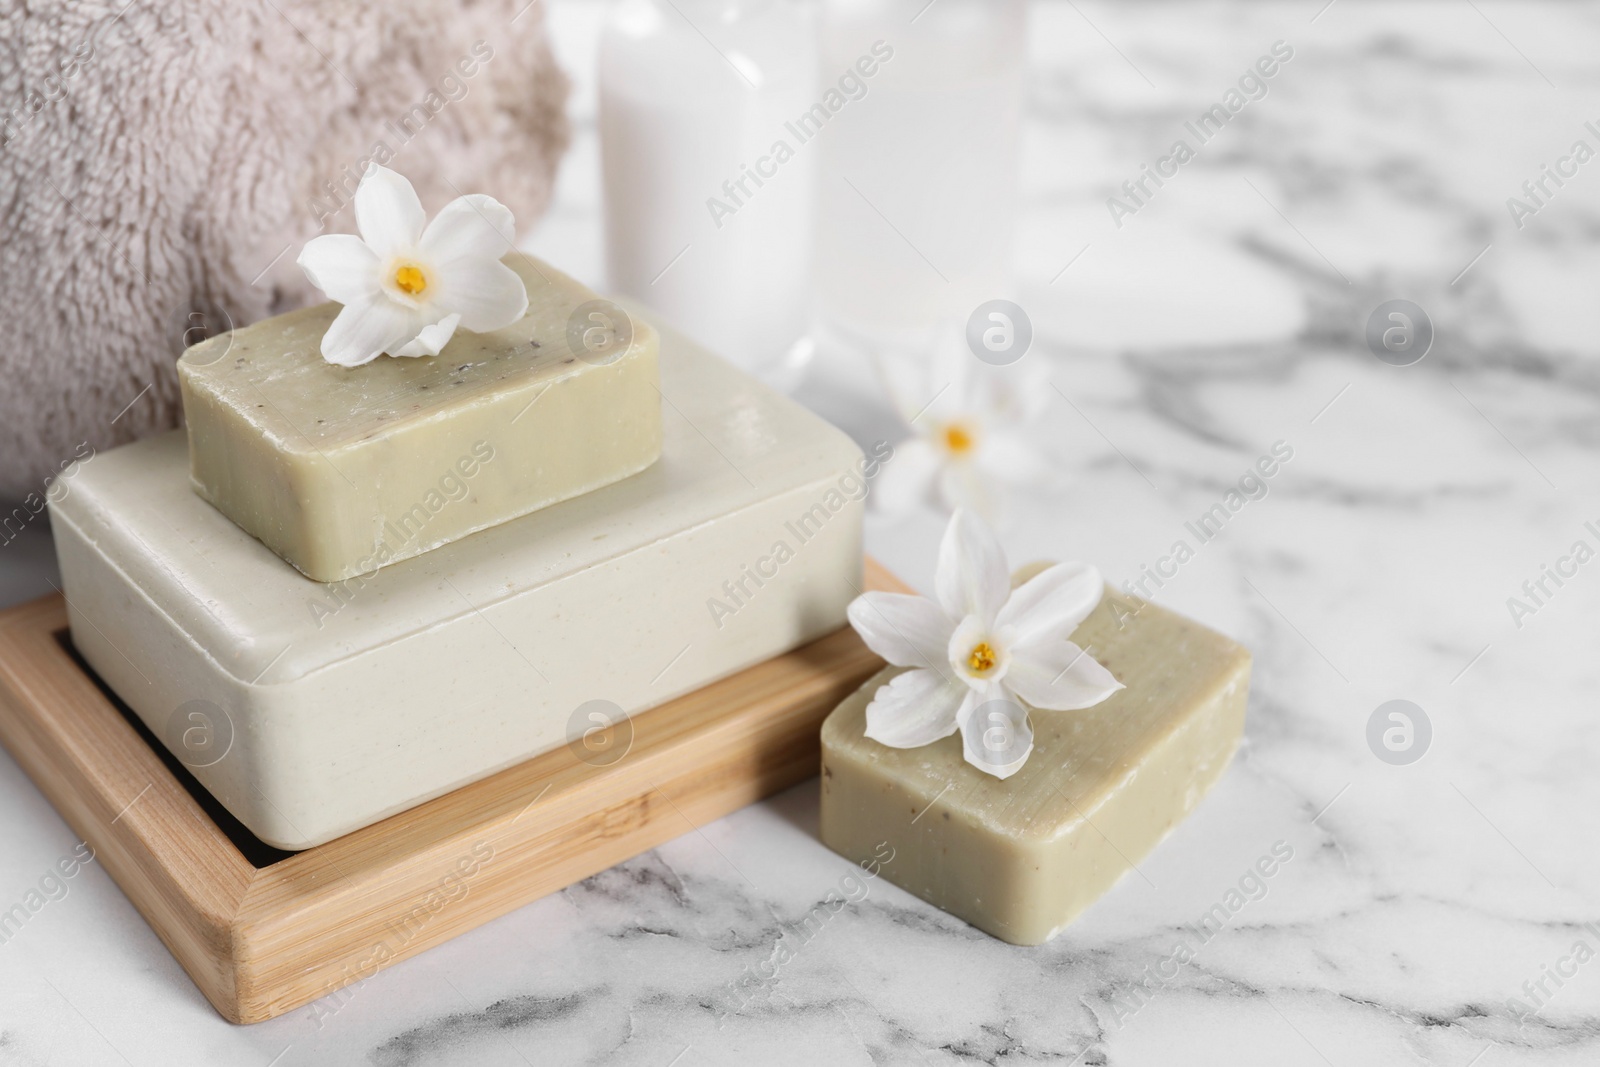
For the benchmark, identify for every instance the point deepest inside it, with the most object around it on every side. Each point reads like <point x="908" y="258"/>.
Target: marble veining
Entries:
<point x="1226" y="315"/>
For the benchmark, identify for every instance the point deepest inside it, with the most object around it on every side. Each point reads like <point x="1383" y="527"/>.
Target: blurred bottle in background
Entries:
<point x="708" y="220"/>
<point x="917" y="194"/>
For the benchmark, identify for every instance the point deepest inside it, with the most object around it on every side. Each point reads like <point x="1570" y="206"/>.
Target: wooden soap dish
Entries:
<point x="262" y="932"/>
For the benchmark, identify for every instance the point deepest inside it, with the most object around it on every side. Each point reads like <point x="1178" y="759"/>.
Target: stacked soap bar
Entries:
<point x="1020" y="858"/>
<point x="325" y="707"/>
<point x="343" y="470"/>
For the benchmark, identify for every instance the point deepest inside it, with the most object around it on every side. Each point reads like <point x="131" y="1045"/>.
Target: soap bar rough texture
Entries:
<point x="1022" y="857"/>
<point x="312" y="710"/>
<point x="343" y="470"/>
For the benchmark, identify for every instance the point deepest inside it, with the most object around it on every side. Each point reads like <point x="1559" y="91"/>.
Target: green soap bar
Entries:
<point x="343" y="470"/>
<point x="1020" y="858"/>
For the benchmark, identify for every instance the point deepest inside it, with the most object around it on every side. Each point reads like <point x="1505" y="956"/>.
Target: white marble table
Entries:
<point x="1225" y="316"/>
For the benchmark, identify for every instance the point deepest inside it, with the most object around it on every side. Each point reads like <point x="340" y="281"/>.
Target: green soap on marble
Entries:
<point x="1020" y="858"/>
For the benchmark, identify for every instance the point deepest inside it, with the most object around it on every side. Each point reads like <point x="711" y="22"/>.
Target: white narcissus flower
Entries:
<point x="983" y="653"/>
<point x="967" y="419"/>
<point x="404" y="288"/>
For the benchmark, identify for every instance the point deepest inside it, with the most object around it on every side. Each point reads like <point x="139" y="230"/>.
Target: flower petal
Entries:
<point x="906" y="478"/>
<point x="914" y="709"/>
<point x="995" y="735"/>
<point x="1053" y="601"/>
<point x="1012" y="459"/>
<point x="1058" y="676"/>
<point x="487" y="294"/>
<point x="341" y="265"/>
<point x="1012" y="396"/>
<point x="918" y="387"/>
<point x="470" y="227"/>
<point x="367" y="328"/>
<point x="432" y="339"/>
<point x="964" y="642"/>
<point x="964" y="485"/>
<point x="388" y="213"/>
<point x="972" y="577"/>
<point x="908" y="631"/>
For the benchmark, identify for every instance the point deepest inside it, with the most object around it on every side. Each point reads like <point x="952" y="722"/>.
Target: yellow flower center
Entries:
<point x="410" y="280"/>
<point x="982" y="658"/>
<point x="959" y="439"/>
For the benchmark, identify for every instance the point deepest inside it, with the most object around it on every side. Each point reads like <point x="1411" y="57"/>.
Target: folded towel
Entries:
<point x="162" y="162"/>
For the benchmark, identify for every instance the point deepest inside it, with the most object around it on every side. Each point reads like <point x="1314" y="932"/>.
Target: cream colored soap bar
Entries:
<point x="333" y="706"/>
<point x="343" y="470"/>
<point x="1021" y="858"/>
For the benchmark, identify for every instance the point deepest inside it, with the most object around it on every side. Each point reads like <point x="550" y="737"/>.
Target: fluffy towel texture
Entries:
<point x="164" y="160"/>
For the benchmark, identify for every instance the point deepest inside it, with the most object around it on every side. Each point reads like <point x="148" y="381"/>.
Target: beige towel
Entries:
<point x="164" y="161"/>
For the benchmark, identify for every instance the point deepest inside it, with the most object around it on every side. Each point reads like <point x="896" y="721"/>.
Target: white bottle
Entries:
<point x="918" y="189"/>
<point x="709" y="201"/>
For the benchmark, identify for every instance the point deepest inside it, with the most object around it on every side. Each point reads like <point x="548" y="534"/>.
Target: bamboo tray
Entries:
<point x="262" y="931"/>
